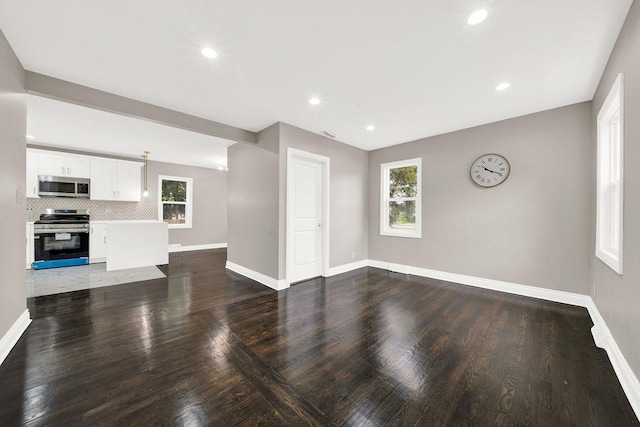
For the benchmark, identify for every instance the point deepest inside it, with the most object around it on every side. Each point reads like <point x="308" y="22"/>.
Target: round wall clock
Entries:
<point x="490" y="170"/>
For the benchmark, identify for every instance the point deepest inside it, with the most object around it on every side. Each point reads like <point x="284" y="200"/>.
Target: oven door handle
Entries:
<point x="61" y="230"/>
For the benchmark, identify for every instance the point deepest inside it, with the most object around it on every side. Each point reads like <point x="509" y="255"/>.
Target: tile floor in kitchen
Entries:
<point x="66" y="279"/>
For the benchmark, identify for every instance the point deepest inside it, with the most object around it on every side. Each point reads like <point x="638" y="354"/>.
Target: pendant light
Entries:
<point x="145" y="193"/>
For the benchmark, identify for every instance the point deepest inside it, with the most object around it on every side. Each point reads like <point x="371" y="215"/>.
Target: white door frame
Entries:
<point x="325" y="162"/>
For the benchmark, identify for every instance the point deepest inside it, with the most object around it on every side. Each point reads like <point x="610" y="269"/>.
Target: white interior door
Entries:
<point x="305" y="217"/>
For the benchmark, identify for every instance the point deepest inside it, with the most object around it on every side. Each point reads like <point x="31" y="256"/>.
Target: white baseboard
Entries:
<point x="603" y="339"/>
<point x="180" y="248"/>
<point x="13" y="335"/>
<point x="496" y="285"/>
<point x="332" y="271"/>
<point x="276" y="284"/>
<point x="601" y="333"/>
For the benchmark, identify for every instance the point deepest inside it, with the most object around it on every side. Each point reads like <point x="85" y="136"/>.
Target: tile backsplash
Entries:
<point x="98" y="209"/>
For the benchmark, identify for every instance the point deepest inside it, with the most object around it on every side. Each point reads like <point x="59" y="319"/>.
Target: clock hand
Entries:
<point x="489" y="170"/>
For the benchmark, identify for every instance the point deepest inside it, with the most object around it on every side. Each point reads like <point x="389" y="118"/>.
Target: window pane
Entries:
<point x="402" y="215"/>
<point x="174" y="191"/>
<point x="403" y="182"/>
<point x="174" y="214"/>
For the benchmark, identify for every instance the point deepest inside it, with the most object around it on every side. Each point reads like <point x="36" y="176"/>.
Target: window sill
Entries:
<point x="610" y="260"/>
<point x="178" y="226"/>
<point x="412" y="235"/>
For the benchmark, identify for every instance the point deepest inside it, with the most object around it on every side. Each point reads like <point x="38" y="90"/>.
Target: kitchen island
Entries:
<point x="129" y="244"/>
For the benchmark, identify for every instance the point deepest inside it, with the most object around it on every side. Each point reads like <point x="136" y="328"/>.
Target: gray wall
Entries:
<point x="13" y="126"/>
<point x="257" y="199"/>
<point x="348" y="194"/>
<point x="253" y="203"/>
<point x="209" y="202"/>
<point x="533" y="229"/>
<point x="617" y="296"/>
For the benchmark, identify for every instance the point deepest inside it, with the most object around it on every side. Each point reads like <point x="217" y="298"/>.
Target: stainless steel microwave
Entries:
<point x="60" y="186"/>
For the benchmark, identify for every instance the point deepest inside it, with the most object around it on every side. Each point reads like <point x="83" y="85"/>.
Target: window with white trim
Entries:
<point x="610" y="171"/>
<point x="400" y="198"/>
<point x="175" y="201"/>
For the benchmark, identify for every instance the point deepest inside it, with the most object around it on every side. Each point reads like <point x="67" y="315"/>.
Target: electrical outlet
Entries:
<point x="353" y="255"/>
<point x="594" y="290"/>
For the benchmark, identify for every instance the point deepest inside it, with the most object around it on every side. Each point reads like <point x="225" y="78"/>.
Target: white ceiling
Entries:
<point x="412" y="68"/>
<point x="60" y="124"/>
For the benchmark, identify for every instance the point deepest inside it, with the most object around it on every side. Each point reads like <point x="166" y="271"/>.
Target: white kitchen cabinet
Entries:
<point x="103" y="179"/>
<point x="115" y="180"/>
<point x="97" y="242"/>
<point x="30" y="247"/>
<point x="128" y="181"/>
<point x="32" y="174"/>
<point x="60" y="164"/>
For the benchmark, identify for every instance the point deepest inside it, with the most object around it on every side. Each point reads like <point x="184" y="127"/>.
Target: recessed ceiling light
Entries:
<point x="371" y="128"/>
<point x="208" y="52"/>
<point x="503" y="86"/>
<point x="31" y="137"/>
<point x="477" y="17"/>
<point x="314" y="101"/>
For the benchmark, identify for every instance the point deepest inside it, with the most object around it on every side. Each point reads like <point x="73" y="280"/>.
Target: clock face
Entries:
<point x="490" y="170"/>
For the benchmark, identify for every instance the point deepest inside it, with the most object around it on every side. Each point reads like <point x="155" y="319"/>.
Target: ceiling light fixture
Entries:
<point x="208" y="52"/>
<point x="145" y="193"/>
<point x="477" y="17"/>
<point x="503" y="86"/>
<point x="371" y="128"/>
<point x="314" y="101"/>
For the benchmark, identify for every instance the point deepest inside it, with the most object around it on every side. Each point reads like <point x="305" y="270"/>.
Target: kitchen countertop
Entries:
<point x="125" y="221"/>
<point x="117" y="221"/>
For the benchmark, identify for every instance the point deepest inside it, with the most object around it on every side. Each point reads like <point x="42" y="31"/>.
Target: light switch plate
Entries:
<point x="20" y="195"/>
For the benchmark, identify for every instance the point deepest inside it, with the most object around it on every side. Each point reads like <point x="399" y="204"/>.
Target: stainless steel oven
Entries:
<point x="61" y="238"/>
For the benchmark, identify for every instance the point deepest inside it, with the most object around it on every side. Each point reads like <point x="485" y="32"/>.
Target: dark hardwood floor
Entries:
<point x="206" y="346"/>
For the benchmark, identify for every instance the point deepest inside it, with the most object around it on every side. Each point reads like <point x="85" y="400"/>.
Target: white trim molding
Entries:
<point x="601" y="333"/>
<point x="603" y="339"/>
<point x="13" y="335"/>
<point x="179" y="248"/>
<point x="276" y="284"/>
<point x="325" y="163"/>
<point x="496" y="285"/>
<point x="610" y="178"/>
<point x="386" y="199"/>
<point x="344" y="268"/>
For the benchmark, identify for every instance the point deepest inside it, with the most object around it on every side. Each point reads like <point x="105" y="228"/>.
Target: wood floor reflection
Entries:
<point x="206" y="346"/>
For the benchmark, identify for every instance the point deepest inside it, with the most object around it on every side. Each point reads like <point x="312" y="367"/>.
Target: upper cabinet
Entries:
<point x="111" y="179"/>
<point x="115" y="180"/>
<point x="60" y="164"/>
<point x="32" y="174"/>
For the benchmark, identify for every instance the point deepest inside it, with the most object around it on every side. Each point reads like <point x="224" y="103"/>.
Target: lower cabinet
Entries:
<point x="98" y="242"/>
